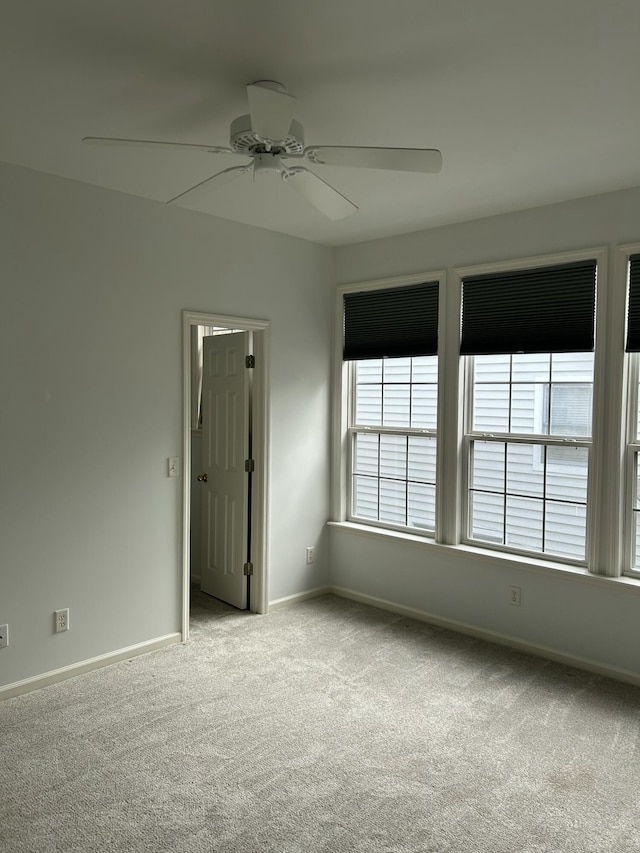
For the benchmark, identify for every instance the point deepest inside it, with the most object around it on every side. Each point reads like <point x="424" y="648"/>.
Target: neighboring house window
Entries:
<point x="633" y="347"/>
<point x="390" y="342"/>
<point x="529" y="338"/>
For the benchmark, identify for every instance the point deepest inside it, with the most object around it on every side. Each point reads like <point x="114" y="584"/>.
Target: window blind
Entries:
<point x="633" y="310"/>
<point x="546" y="309"/>
<point x="400" y="321"/>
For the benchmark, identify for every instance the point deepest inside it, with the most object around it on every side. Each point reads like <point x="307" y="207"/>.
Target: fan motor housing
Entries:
<point x="245" y="141"/>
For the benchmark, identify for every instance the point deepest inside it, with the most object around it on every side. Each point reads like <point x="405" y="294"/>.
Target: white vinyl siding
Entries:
<point x="393" y="442"/>
<point x="528" y="451"/>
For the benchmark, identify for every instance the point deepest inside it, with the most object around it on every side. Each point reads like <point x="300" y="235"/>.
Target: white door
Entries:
<point x="225" y="440"/>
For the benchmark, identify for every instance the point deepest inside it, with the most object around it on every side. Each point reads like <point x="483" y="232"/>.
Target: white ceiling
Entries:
<point x="530" y="101"/>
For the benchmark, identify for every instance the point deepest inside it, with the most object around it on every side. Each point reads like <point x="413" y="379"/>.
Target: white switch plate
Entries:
<point x="174" y="466"/>
<point x="4" y="636"/>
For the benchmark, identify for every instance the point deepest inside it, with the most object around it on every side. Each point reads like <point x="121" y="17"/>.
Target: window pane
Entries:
<point x="525" y="408"/>
<point x="487" y="465"/>
<point x="422" y="459"/>
<point x="530" y="367"/>
<point x="369" y="370"/>
<point x="571" y="406"/>
<point x="572" y="367"/>
<point x="425" y="368"/>
<point x="424" y="406"/>
<point x="393" y="502"/>
<point x="421" y="506"/>
<point x="401" y="394"/>
<point x="393" y="456"/>
<point x="636" y="516"/>
<point x="365" y="497"/>
<point x="524" y="523"/>
<point x="565" y="529"/>
<point x="491" y="368"/>
<point x="567" y="473"/>
<point x="533" y="522"/>
<point x="368" y="405"/>
<point x="486" y="517"/>
<point x="525" y="470"/>
<point x="397" y="369"/>
<point x="491" y="408"/>
<point x="365" y="454"/>
<point x="541" y="506"/>
<point x="396" y="405"/>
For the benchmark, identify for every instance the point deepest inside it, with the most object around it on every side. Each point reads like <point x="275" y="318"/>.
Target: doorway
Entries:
<point x="258" y="508"/>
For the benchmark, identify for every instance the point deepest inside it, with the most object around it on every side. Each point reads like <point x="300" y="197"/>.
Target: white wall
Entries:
<point x="594" y="619"/>
<point x="93" y="285"/>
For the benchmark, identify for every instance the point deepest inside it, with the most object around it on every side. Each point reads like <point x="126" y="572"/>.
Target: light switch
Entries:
<point x="174" y="466"/>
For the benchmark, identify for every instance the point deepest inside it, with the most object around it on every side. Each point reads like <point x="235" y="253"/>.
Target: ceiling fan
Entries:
<point x="269" y="134"/>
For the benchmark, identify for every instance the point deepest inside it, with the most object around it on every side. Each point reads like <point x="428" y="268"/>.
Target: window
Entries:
<point x="634" y="474"/>
<point x="633" y="347"/>
<point x="529" y="408"/>
<point x="390" y="341"/>
<point x="393" y="441"/>
<point x="489" y="413"/>
<point x="528" y="448"/>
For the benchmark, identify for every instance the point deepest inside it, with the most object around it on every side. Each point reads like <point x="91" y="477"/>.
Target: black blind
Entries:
<point x="633" y="311"/>
<point x="546" y="309"/>
<point x="400" y="321"/>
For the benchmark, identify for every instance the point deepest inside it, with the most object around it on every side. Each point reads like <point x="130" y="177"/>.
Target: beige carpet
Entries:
<point x="328" y="726"/>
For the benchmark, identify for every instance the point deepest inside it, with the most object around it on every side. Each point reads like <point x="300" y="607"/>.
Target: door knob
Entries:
<point x="202" y="478"/>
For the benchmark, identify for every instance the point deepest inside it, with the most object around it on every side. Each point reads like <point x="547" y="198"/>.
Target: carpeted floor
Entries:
<point x="327" y="726"/>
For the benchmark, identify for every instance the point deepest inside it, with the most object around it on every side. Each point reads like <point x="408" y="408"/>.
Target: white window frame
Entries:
<point x="344" y="384"/>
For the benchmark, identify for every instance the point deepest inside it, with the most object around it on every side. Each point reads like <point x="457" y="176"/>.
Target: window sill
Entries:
<point x="484" y="555"/>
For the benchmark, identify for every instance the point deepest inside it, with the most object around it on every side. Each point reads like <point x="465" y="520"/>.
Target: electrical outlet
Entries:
<point x="514" y="596"/>
<point x="61" y="620"/>
<point x="310" y="555"/>
<point x="4" y="636"/>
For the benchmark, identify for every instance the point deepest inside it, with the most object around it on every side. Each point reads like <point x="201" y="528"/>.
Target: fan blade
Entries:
<point x="394" y="159"/>
<point x="271" y="112"/>
<point x="147" y="143"/>
<point x="203" y="189"/>
<point x="319" y="193"/>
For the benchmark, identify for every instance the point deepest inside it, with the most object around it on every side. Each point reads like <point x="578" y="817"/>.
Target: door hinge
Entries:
<point x="250" y="361"/>
<point x="248" y="568"/>
<point x="249" y="466"/>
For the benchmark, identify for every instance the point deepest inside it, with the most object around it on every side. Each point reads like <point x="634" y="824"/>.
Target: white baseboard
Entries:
<point x="617" y="673"/>
<point x="55" y="675"/>
<point x="288" y="600"/>
<point x="546" y="652"/>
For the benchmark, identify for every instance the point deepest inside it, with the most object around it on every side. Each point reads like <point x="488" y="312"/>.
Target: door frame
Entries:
<point x="259" y="598"/>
